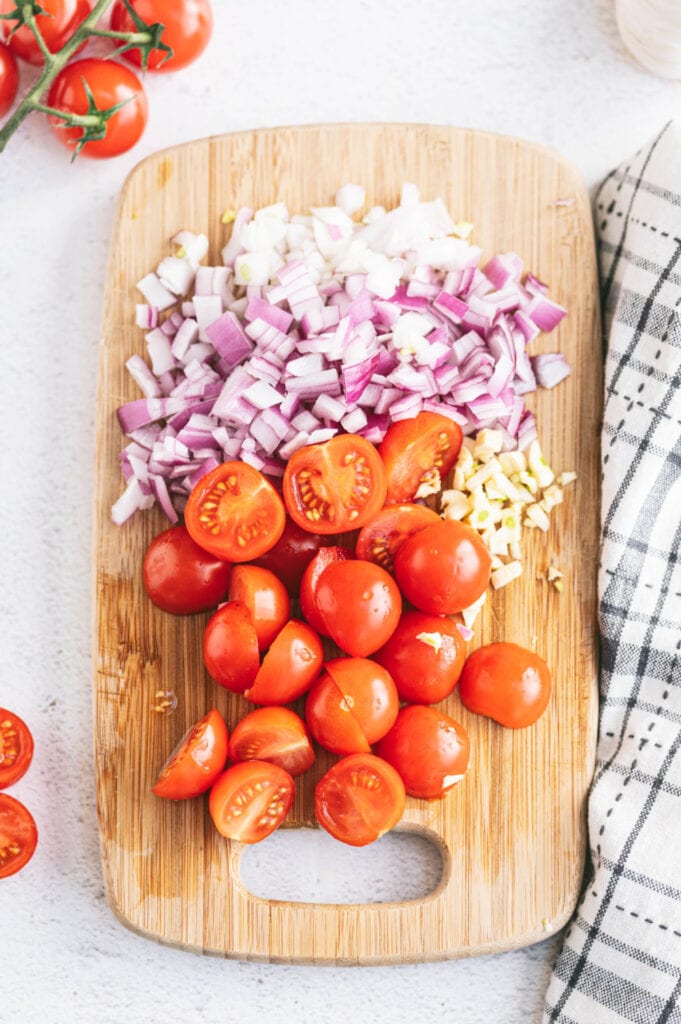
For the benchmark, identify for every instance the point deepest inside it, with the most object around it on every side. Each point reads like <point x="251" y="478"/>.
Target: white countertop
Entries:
<point x="551" y="72"/>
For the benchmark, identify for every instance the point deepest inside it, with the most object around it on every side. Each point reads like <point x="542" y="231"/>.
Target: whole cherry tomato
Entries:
<point x="308" y="584"/>
<point x="351" y="706"/>
<point x="419" y="452"/>
<point x="273" y="734"/>
<point x="18" y="835"/>
<point x="197" y="760"/>
<point x="188" y="25"/>
<point x="290" y="666"/>
<point x="250" y="800"/>
<point x="359" y="604"/>
<point x="359" y="799"/>
<point x="506" y="682"/>
<point x="57" y="24"/>
<point x="291" y="555"/>
<point x="334" y="486"/>
<point x="109" y="83"/>
<point x="424" y="656"/>
<point x="444" y="568"/>
<point x="16" y="748"/>
<point x="265" y="597"/>
<point x="382" y="536"/>
<point x="230" y="647"/>
<point x="235" y="513"/>
<point x="429" y="749"/>
<point x="180" y="577"/>
<point x="9" y="79"/>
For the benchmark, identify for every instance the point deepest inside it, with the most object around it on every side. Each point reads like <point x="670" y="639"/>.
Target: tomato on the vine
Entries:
<point x="419" y="452"/>
<point x="187" y="28"/>
<point x="273" y="734"/>
<point x="265" y="597"/>
<point x="250" y="800"/>
<point x="351" y="706"/>
<point x="429" y="749"/>
<point x="290" y="666"/>
<point x="359" y="799"/>
<point x="16" y="748"/>
<point x="180" y="577"/>
<point x="235" y="513"/>
<point x="109" y="83"/>
<point x="18" y="835"/>
<point x="359" y="604"/>
<point x="57" y="23"/>
<point x="444" y="568"/>
<point x="291" y="555"/>
<point x="310" y="580"/>
<point x="197" y="760"/>
<point x="386" y="532"/>
<point x="9" y="79"/>
<point x="334" y="486"/>
<point x="506" y="682"/>
<point x="230" y="647"/>
<point x="424" y="656"/>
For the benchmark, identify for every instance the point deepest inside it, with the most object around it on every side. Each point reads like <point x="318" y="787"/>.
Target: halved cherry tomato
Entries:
<point x="181" y="577"/>
<point x="235" y="513"/>
<point x="382" y="536"/>
<point x="9" y="79"/>
<point x="197" y="760"/>
<point x="187" y="28"/>
<point x="424" y="656"/>
<point x="290" y="666"/>
<point x="444" y="568"/>
<point x="16" y="748"/>
<point x="351" y="706"/>
<point x="359" y="799"/>
<point x="506" y="682"/>
<point x="335" y="486"/>
<point x="250" y="800"/>
<point x="57" y="23"/>
<point x="265" y="597"/>
<point x="308" y="585"/>
<point x="419" y="452"/>
<point x="359" y="604"/>
<point x="429" y="749"/>
<point x="230" y="647"/>
<point x="273" y="734"/>
<point x="291" y="555"/>
<point x="18" y="835"/>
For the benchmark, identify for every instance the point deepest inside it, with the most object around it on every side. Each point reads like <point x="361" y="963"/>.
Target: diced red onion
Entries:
<point x="550" y="369"/>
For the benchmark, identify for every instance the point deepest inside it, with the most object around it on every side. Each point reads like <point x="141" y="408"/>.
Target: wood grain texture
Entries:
<point x="512" y="834"/>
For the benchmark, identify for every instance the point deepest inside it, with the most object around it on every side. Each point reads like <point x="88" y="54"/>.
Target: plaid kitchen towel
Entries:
<point x="621" y="957"/>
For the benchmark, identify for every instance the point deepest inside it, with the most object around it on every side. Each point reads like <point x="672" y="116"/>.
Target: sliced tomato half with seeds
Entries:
<point x="381" y="537"/>
<point x="18" y="835"/>
<point x="16" y="748"/>
<point x="235" y="513"/>
<point x="418" y="453"/>
<point x="334" y="486"/>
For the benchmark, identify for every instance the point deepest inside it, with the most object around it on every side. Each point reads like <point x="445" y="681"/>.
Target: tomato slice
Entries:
<point x="290" y="666"/>
<point x="273" y="734"/>
<point x="180" y="577"/>
<point x="16" y="748"/>
<point x="18" y="835"/>
<point x="250" y="800"/>
<point x="197" y="760"/>
<point x="265" y="597"/>
<point x="382" y="536"/>
<point x="429" y="749"/>
<point x="334" y="486"/>
<point x="359" y="604"/>
<point x="506" y="682"/>
<point x="235" y="513"/>
<point x="352" y="705"/>
<point x="230" y="647"/>
<point x="419" y="452"/>
<point x="359" y="799"/>
<point x="308" y="585"/>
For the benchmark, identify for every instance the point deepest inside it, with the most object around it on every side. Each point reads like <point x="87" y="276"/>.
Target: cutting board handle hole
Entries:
<point x="305" y="865"/>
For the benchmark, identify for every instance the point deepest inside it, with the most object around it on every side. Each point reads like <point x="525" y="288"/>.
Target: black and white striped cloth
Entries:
<point x="621" y="957"/>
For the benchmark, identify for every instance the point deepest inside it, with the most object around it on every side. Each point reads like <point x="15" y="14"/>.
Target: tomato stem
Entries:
<point x="131" y="38"/>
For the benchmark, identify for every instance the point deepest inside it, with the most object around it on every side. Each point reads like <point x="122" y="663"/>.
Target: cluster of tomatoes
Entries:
<point x="18" y="832"/>
<point x="252" y="548"/>
<point x="94" y="84"/>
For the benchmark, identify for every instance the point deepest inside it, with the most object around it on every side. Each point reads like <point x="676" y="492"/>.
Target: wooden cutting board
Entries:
<point x="512" y="835"/>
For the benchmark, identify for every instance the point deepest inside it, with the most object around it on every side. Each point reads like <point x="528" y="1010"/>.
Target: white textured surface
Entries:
<point x="551" y="72"/>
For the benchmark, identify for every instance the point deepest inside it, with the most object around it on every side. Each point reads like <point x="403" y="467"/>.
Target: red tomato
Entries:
<point x="382" y="536"/>
<point x="235" y="513"/>
<point x="16" y="748"/>
<point x="188" y="25"/>
<point x="278" y="735"/>
<point x="291" y="555"/>
<point x="429" y="749"/>
<point x="424" y="656"/>
<point x="359" y="604"/>
<point x="110" y="83"/>
<point x="418" y="452"/>
<point x="444" y="568"/>
<point x="265" y="597"/>
<point x="359" y="799"/>
<point x="197" y="760"/>
<point x="250" y="800"/>
<point x="335" y="486"/>
<point x="9" y="79"/>
<point x="18" y="836"/>
<point x="57" y="25"/>
<point x="230" y="647"/>
<point x="506" y="682"/>
<point x="308" y="585"/>
<point x="180" y="577"/>
<point x="290" y="666"/>
<point x="352" y="705"/>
